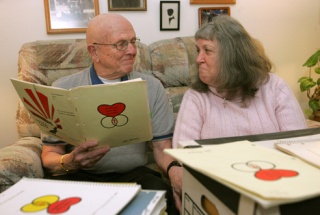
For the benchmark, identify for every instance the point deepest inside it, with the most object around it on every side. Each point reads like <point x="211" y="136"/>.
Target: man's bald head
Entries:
<point x="105" y="26"/>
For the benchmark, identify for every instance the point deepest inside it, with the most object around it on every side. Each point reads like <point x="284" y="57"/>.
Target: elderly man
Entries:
<point x="111" y="41"/>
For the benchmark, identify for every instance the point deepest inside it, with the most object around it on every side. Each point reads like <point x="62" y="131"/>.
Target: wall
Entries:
<point x="290" y="32"/>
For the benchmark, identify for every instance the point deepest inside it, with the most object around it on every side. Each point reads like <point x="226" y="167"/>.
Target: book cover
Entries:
<point x="114" y="114"/>
<point x="147" y="202"/>
<point x="43" y="196"/>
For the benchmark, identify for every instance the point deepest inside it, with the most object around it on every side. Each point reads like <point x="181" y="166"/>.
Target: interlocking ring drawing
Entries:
<point x="113" y="115"/>
<point x="51" y="203"/>
<point x="264" y="170"/>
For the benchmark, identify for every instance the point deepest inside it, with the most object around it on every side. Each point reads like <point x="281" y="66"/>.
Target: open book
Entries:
<point x="308" y="151"/>
<point x="43" y="196"/>
<point x="114" y="114"/>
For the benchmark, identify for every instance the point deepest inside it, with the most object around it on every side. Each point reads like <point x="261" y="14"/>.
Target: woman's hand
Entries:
<point x="175" y="175"/>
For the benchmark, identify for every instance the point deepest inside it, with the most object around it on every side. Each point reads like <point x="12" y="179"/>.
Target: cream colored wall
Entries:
<point x="289" y="30"/>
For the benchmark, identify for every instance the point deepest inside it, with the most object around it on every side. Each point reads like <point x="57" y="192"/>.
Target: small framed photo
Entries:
<point x="123" y="5"/>
<point x="212" y="1"/>
<point x="169" y="15"/>
<point x="206" y="14"/>
<point x="67" y="16"/>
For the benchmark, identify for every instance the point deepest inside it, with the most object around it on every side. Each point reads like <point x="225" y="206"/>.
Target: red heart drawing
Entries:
<point x="62" y="205"/>
<point x="274" y="174"/>
<point x="111" y="110"/>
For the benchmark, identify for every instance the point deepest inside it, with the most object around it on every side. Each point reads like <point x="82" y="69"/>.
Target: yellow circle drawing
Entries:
<point x="40" y="203"/>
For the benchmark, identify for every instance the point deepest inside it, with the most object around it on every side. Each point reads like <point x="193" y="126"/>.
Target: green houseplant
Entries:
<point x="312" y="86"/>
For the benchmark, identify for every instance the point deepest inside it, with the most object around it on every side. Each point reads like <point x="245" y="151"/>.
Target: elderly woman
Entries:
<point x="234" y="93"/>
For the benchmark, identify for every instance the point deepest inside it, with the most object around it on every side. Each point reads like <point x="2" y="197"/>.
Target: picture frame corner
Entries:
<point x="134" y="6"/>
<point x="205" y="14"/>
<point x="72" y="17"/>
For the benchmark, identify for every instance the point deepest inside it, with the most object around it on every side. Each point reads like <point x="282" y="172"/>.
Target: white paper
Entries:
<point x="41" y="196"/>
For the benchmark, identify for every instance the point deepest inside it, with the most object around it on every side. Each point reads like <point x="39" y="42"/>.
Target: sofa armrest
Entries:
<point x="21" y="159"/>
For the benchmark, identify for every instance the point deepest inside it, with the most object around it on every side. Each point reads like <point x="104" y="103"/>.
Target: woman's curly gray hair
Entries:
<point x="243" y="64"/>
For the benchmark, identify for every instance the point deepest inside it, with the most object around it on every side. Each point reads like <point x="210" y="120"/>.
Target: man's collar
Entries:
<point x="96" y="80"/>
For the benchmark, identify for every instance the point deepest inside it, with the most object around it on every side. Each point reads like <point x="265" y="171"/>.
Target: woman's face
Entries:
<point x="208" y="60"/>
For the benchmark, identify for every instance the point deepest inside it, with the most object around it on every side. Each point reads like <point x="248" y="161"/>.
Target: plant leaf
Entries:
<point x="313" y="104"/>
<point x="302" y="79"/>
<point x="313" y="59"/>
<point x="307" y="84"/>
<point x="317" y="70"/>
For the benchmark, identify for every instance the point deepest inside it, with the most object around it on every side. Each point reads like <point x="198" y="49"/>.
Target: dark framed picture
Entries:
<point x="207" y="13"/>
<point x="212" y="1"/>
<point x="69" y="16"/>
<point x="123" y="5"/>
<point x="169" y="15"/>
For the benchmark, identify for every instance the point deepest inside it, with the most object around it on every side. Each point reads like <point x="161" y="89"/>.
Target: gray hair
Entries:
<point x="244" y="65"/>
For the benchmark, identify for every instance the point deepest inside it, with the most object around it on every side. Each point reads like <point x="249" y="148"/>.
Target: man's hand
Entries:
<point x="83" y="156"/>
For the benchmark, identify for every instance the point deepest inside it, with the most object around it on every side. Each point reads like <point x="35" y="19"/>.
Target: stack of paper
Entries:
<point x="308" y="151"/>
<point x="265" y="175"/>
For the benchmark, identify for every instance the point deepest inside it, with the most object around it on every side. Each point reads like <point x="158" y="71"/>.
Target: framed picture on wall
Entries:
<point x="207" y="13"/>
<point x="133" y="5"/>
<point x="65" y="16"/>
<point x="212" y="1"/>
<point x="169" y="15"/>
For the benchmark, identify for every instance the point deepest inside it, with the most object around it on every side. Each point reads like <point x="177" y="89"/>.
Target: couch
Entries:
<point x="172" y="61"/>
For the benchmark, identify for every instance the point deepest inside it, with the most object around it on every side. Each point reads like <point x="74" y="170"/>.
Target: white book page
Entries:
<point x="41" y="196"/>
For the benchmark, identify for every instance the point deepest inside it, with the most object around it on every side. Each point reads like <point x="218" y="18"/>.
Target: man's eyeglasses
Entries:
<point x="122" y="45"/>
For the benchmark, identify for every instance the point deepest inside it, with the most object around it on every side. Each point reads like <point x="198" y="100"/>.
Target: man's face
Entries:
<point x="111" y="62"/>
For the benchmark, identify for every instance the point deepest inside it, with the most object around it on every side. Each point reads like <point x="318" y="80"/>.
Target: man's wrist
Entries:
<point x="67" y="167"/>
<point x="172" y="164"/>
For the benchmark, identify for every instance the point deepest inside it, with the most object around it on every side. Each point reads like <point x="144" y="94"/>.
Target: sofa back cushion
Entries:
<point x="173" y="60"/>
<point x="45" y="61"/>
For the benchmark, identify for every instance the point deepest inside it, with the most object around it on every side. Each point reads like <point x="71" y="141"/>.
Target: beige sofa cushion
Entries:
<point x="18" y="160"/>
<point x="173" y="60"/>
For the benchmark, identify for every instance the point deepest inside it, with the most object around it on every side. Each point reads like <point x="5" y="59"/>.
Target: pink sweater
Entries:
<point x="205" y="116"/>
